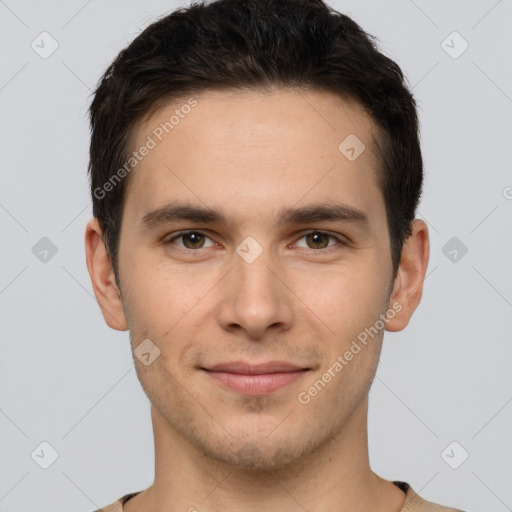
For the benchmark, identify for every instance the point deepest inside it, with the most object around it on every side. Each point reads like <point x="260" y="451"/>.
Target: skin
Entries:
<point x="251" y="154"/>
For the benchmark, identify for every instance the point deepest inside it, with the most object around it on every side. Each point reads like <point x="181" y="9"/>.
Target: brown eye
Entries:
<point x="193" y="240"/>
<point x="318" y="240"/>
<point x="190" y="240"/>
<point x="321" y="242"/>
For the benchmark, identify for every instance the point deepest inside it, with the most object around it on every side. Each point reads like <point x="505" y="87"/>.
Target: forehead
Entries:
<point x="271" y="145"/>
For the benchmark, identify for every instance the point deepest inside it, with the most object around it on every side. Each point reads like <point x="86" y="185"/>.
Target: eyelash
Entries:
<point x="326" y="250"/>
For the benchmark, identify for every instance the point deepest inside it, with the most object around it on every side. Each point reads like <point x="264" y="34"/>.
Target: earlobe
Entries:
<point x="408" y="284"/>
<point x="102" y="277"/>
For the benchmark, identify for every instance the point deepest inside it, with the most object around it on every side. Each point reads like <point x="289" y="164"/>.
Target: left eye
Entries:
<point x="319" y="239"/>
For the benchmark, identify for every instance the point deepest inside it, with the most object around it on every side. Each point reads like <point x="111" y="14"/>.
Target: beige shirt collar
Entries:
<point x="413" y="502"/>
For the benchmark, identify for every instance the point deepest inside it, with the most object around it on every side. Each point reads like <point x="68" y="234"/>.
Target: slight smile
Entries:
<point x="255" y="380"/>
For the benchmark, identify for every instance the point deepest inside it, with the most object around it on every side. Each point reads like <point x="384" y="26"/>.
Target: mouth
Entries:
<point x="255" y="380"/>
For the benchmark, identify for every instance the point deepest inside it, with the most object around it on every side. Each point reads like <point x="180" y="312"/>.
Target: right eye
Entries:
<point x="191" y="240"/>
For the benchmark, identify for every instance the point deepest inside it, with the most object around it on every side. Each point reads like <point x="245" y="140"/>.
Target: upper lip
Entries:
<point x="255" y="369"/>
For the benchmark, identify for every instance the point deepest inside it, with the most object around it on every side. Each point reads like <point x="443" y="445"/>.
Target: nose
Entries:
<point x="255" y="297"/>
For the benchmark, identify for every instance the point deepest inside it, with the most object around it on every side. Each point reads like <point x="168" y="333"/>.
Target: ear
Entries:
<point x="102" y="277"/>
<point x="408" y="284"/>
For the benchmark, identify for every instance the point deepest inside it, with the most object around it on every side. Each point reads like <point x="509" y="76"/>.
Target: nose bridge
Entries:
<point x="255" y="283"/>
<point x="255" y="278"/>
<point x="253" y="260"/>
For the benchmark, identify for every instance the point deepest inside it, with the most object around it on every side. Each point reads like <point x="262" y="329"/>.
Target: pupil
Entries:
<point x="193" y="237"/>
<point x="317" y="238"/>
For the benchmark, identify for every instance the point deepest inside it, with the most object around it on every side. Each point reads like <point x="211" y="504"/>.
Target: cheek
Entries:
<point x="166" y="303"/>
<point x="156" y="291"/>
<point x="345" y="299"/>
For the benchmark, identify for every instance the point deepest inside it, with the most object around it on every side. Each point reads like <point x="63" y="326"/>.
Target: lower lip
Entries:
<point x="255" y="385"/>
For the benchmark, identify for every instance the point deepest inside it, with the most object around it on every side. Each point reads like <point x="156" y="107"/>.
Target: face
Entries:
<point x="289" y="262"/>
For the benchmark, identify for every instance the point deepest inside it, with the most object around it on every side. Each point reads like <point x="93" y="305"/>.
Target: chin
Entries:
<point x="269" y="451"/>
<point x="255" y="457"/>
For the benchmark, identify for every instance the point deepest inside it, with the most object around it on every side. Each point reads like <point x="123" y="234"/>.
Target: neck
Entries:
<point x="336" y="476"/>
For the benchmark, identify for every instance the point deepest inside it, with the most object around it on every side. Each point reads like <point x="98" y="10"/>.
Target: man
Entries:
<point x="255" y="171"/>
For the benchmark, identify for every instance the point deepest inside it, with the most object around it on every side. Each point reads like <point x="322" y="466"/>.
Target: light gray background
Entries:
<point x="69" y="380"/>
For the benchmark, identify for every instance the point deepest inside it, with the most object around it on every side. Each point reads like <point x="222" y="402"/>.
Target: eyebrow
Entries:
<point x="179" y="211"/>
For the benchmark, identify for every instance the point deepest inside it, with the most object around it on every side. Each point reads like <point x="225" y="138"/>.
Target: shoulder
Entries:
<point x="114" y="507"/>
<point x="117" y="506"/>
<point x="415" y="503"/>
